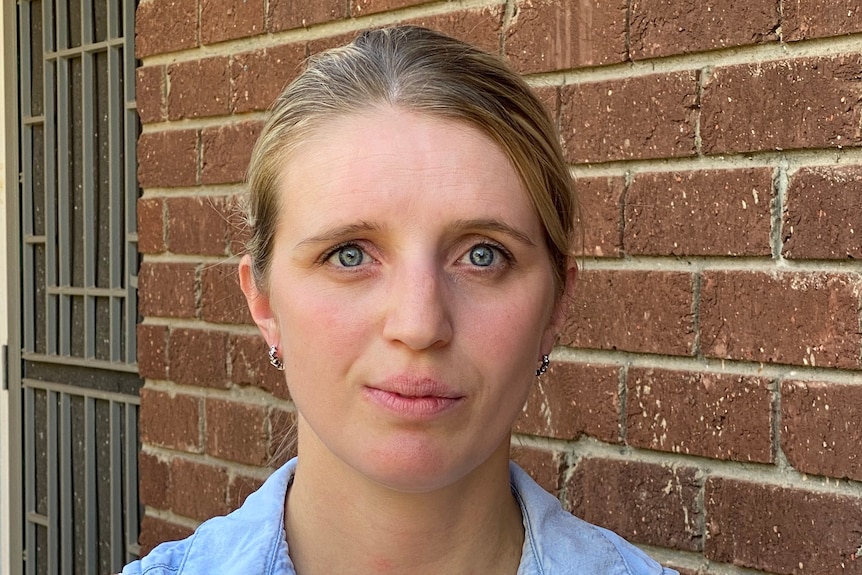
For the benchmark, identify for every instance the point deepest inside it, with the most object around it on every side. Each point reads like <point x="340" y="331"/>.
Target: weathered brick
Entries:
<point x="168" y="158"/>
<point x="820" y="432"/>
<point x="198" y="490"/>
<point x="198" y="225"/>
<point x="720" y="416"/>
<point x="226" y="151"/>
<point x="660" y="28"/>
<point x="165" y="26"/>
<point x="287" y="14"/>
<point x="229" y="19"/>
<point x="149" y="93"/>
<point x="152" y="351"/>
<point x="572" y="399"/>
<point x="648" y="312"/>
<point x="283" y="426"/>
<point x="236" y="431"/>
<point x="325" y="43"/>
<point x="154" y="476"/>
<point x="547" y="35"/>
<point x="546" y="466"/>
<point x="803" y="19"/>
<point x="198" y="357"/>
<point x="239" y="232"/>
<point x="151" y="225"/>
<point x="480" y="27"/>
<point x="249" y="365"/>
<point x="239" y="488"/>
<point x="550" y="98"/>
<point x="363" y="7"/>
<point x="823" y="214"/>
<point x="796" y="318"/>
<point x="781" y="529"/>
<point x="643" y="502"/>
<point x="788" y="104"/>
<point x="258" y="77"/>
<point x="167" y="290"/>
<point x="600" y="201"/>
<point x="170" y="420"/>
<point x="705" y="212"/>
<point x="186" y="98"/>
<point x="222" y="300"/>
<point x="642" y="117"/>
<point x="155" y="531"/>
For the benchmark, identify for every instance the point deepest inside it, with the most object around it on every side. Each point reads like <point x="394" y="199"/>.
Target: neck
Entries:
<point x="471" y="526"/>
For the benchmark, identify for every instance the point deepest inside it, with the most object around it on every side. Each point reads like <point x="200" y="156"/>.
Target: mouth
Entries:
<point x="414" y="398"/>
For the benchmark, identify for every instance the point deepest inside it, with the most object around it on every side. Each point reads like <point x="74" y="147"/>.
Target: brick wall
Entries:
<point x="706" y="399"/>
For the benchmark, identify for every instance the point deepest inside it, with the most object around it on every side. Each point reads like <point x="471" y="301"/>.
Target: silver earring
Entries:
<point x="546" y="361"/>
<point x="273" y="358"/>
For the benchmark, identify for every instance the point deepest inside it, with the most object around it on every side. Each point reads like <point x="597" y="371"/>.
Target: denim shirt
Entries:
<point x="251" y="540"/>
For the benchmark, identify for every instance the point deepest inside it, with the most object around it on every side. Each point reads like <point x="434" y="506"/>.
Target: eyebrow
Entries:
<point x="491" y="225"/>
<point x="339" y="232"/>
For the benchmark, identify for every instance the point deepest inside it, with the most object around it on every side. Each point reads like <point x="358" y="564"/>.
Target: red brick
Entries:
<point x="226" y="152"/>
<point x="150" y="93"/>
<point x="199" y="88"/>
<point x="152" y="351"/>
<point x="165" y="26"/>
<point x="198" y="490"/>
<point x="789" y="104"/>
<point x="283" y="426"/>
<point x="168" y="159"/>
<point x="151" y="225"/>
<point x="167" y="290"/>
<point x="794" y="318"/>
<point x="645" y="503"/>
<point x="572" y="399"/>
<point x="633" y="118"/>
<point x="600" y="201"/>
<point x="198" y="225"/>
<point x="704" y="213"/>
<point x="258" y="77"/>
<point x="236" y="431"/>
<point x="249" y="365"/>
<point x="480" y="27"/>
<point x="720" y="416"/>
<point x="803" y="19"/>
<point x="287" y="14"/>
<point x="660" y="28"/>
<point x="222" y="300"/>
<point x="155" y="531"/>
<point x="363" y="7"/>
<point x="198" y="357"/>
<point x="547" y="35"/>
<point x="648" y="312"/>
<point x="820" y="428"/>
<point x="550" y="98"/>
<point x="781" y="529"/>
<point x="239" y="233"/>
<point x="544" y="465"/>
<point x="171" y="421"/>
<point x="823" y="214"/>
<point x="229" y="19"/>
<point x="318" y="45"/>
<point x="154" y="476"/>
<point x="239" y="488"/>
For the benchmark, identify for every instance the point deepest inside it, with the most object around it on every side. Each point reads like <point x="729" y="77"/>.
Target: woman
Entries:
<point x="411" y="219"/>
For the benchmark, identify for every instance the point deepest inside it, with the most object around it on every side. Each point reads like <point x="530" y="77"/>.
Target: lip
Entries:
<point x="413" y="397"/>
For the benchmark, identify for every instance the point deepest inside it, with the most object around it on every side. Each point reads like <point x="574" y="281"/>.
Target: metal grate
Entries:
<point x="79" y="384"/>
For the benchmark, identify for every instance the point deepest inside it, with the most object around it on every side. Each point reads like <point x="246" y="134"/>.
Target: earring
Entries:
<point x="546" y="361"/>
<point x="273" y="358"/>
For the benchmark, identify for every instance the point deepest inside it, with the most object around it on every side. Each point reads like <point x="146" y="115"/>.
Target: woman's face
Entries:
<point x="410" y="294"/>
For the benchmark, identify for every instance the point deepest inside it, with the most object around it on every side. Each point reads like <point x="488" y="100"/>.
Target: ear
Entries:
<point x="258" y="303"/>
<point x="561" y="306"/>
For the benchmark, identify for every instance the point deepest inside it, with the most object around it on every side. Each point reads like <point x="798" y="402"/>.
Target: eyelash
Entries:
<point x="327" y="255"/>
<point x="508" y="257"/>
<point x="501" y="249"/>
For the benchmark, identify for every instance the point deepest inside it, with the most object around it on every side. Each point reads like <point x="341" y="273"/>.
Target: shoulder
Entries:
<point x="249" y="540"/>
<point x="558" y="543"/>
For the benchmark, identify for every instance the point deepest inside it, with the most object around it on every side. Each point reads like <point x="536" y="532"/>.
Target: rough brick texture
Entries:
<point x="165" y="26"/>
<point x="198" y="357"/>
<point x="780" y="529"/>
<point x="803" y="19"/>
<point x="222" y="300"/>
<point x="287" y="14"/>
<point x="237" y="432"/>
<point x="168" y="159"/>
<point x="227" y="19"/>
<point x="167" y="289"/>
<point x="226" y="151"/>
<point x="823" y="214"/>
<point x="543" y="465"/>
<point x="258" y="77"/>
<point x="170" y="420"/>
<point x="601" y="214"/>
<point x="199" y="225"/>
<point x="185" y="99"/>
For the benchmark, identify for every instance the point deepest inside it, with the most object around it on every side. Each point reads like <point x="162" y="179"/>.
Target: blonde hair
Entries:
<point x="423" y="71"/>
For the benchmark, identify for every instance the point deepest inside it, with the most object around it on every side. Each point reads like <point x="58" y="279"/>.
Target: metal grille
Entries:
<point x="79" y="384"/>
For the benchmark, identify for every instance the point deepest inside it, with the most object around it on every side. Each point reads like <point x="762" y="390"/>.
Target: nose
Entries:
<point x="418" y="310"/>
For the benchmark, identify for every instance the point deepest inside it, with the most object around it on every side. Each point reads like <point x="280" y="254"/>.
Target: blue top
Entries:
<point x="251" y="540"/>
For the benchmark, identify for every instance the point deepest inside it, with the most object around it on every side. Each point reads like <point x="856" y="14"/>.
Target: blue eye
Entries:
<point x="349" y="256"/>
<point x="482" y="256"/>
